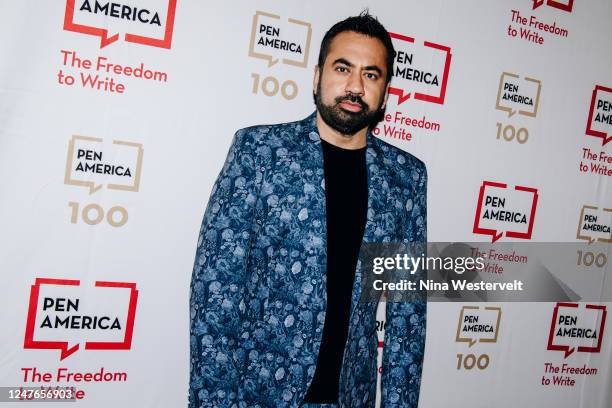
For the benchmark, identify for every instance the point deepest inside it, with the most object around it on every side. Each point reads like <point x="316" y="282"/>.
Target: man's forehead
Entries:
<point x="349" y="44"/>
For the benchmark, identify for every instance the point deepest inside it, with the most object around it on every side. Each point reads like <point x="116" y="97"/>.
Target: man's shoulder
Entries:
<point x="400" y="160"/>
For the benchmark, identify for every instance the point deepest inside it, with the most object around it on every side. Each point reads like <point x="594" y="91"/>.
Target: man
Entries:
<point x="276" y="319"/>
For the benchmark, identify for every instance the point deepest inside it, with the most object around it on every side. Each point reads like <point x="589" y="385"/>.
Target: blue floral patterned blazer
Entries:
<point x="258" y="293"/>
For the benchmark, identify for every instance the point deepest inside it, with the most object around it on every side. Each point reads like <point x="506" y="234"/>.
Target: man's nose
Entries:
<point x="355" y="83"/>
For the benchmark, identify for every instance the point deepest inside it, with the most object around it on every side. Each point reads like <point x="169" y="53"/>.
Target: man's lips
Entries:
<point x="350" y="106"/>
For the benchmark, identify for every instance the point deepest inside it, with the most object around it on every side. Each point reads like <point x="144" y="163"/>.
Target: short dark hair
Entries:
<point x="365" y="24"/>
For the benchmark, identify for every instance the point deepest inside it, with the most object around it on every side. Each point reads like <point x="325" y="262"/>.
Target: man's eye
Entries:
<point x="341" y="69"/>
<point x="370" y="75"/>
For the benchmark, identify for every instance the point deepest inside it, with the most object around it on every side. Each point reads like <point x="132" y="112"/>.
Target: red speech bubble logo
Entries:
<point x="598" y="103"/>
<point x="106" y="39"/>
<point x="403" y="94"/>
<point x="64" y="346"/>
<point x="566" y="348"/>
<point x="495" y="234"/>
<point x="556" y="4"/>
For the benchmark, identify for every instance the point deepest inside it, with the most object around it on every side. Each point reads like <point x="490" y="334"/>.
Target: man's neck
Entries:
<point x="332" y="136"/>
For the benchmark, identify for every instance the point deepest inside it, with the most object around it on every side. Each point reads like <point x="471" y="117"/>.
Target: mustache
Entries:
<point x="354" y="99"/>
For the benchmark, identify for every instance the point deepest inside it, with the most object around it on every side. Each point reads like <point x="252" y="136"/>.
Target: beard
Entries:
<point x="345" y="122"/>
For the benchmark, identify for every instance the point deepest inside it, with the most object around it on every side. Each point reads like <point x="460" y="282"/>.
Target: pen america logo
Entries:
<point x="478" y="325"/>
<point x="518" y="95"/>
<point x="504" y="211"/>
<point x="144" y="22"/>
<point x="277" y="39"/>
<point x="62" y="313"/>
<point x="599" y="123"/>
<point x="274" y="39"/>
<point x="595" y="224"/>
<point x="149" y="22"/>
<point x="421" y="70"/>
<point x="93" y="164"/>
<point x="574" y="328"/>
<point x="420" y="73"/>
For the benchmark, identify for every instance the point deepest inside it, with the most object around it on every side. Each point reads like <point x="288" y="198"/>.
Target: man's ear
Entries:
<point x="315" y="80"/>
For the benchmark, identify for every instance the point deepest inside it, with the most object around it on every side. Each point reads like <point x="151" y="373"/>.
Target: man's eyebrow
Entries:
<point x="373" y="68"/>
<point x="343" y="62"/>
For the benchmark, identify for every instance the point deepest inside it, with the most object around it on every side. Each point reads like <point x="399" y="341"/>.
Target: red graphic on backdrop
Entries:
<point x="405" y="94"/>
<point x="509" y="217"/>
<point x="106" y="39"/>
<point x="63" y="346"/>
<point x="556" y="4"/>
<point x="605" y="107"/>
<point x="570" y="324"/>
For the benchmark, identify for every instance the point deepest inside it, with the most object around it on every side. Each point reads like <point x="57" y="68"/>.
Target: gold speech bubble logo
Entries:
<point x="587" y="211"/>
<point x="473" y="340"/>
<point x="92" y="185"/>
<point x="499" y="104"/>
<point x="269" y="57"/>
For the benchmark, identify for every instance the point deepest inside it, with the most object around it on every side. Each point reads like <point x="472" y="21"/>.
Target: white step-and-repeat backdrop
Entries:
<point x="115" y="118"/>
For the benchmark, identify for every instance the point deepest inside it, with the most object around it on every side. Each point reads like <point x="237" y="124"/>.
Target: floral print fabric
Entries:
<point x="258" y="293"/>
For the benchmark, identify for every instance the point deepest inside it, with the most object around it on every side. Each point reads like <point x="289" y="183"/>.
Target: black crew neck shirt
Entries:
<point x="346" y="203"/>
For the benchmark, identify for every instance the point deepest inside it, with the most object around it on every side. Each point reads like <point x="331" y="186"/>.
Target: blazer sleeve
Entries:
<point x="218" y="279"/>
<point x="404" y="341"/>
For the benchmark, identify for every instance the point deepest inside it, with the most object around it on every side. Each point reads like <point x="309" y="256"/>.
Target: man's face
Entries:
<point x="350" y="89"/>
